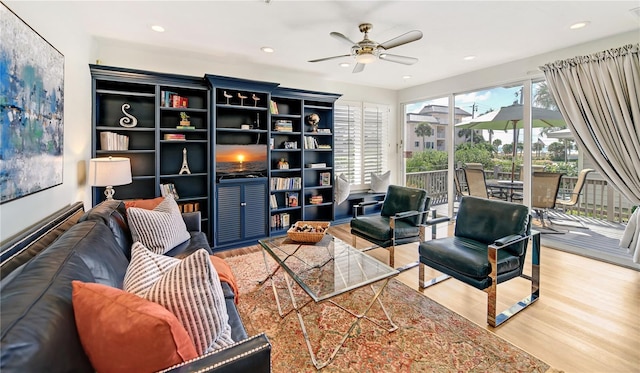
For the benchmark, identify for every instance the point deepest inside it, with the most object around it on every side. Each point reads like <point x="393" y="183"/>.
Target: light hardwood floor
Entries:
<point x="587" y="318"/>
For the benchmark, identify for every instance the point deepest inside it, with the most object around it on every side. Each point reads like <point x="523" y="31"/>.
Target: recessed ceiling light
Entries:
<point x="345" y="64"/>
<point x="157" y="28"/>
<point x="579" y="25"/>
<point x="406" y="77"/>
<point x="267" y="49"/>
<point x="469" y="58"/>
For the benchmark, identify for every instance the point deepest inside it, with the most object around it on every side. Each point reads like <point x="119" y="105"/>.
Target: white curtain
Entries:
<point x="599" y="97"/>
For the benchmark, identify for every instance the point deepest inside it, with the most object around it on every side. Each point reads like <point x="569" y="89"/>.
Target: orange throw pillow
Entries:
<point x="121" y="332"/>
<point x="147" y="204"/>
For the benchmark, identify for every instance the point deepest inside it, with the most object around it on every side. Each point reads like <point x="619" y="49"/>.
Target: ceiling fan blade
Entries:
<point x="402" y="39"/>
<point x="359" y="67"/>
<point x="343" y="38"/>
<point x="330" y="58"/>
<point x="399" y="59"/>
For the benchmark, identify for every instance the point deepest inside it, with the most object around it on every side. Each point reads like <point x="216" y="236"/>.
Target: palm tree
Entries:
<point x="537" y="147"/>
<point x="423" y="129"/>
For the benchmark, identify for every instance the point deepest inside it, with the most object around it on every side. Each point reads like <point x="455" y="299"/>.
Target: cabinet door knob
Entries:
<point x="243" y="204"/>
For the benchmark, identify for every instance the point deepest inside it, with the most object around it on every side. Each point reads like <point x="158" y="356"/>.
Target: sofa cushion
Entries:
<point x="160" y="229"/>
<point x="343" y="188"/>
<point x="144" y="336"/>
<point x="189" y="288"/>
<point x="380" y="182"/>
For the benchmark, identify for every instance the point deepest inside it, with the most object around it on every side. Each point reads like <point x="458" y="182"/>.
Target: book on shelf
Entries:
<point x="173" y="99"/>
<point x="292" y="199"/>
<point x="282" y="183"/>
<point x="280" y="221"/>
<point x="324" y="146"/>
<point x="273" y="202"/>
<point x="169" y="190"/>
<point x="113" y="141"/>
<point x="185" y="127"/>
<point x="175" y="136"/>
<point x="273" y="107"/>
<point x="316" y="200"/>
<point x="310" y="142"/>
<point x="316" y="165"/>
<point x="189" y="207"/>
<point x="283" y="126"/>
<point x="325" y="178"/>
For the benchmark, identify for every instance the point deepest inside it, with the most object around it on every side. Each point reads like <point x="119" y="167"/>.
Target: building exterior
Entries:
<point x="437" y="116"/>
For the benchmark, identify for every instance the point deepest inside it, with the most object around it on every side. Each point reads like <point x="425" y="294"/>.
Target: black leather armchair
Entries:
<point x="402" y="219"/>
<point x="488" y="247"/>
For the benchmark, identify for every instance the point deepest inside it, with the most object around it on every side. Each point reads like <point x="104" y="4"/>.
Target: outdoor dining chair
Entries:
<point x="544" y="191"/>
<point x="571" y="199"/>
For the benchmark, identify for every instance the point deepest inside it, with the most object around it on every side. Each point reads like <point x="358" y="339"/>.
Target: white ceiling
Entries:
<point x="495" y="32"/>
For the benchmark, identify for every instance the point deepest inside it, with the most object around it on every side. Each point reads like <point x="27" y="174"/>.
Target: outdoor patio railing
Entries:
<point x="597" y="200"/>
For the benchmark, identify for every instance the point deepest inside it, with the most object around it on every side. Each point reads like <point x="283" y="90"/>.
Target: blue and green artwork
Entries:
<point x="31" y="110"/>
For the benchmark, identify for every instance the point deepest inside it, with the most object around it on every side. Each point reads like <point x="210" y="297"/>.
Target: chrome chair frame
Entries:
<point x="493" y="318"/>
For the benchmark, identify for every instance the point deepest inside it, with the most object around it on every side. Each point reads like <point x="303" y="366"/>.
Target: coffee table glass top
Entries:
<point x="328" y="268"/>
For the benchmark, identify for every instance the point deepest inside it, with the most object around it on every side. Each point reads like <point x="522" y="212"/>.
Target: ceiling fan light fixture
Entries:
<point x="365" y="58"/>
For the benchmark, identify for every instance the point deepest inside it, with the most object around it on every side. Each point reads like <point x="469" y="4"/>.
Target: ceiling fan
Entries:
<point x="367" y="50"/>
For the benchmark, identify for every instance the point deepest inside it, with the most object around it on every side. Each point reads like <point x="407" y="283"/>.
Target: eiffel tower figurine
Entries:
<point x="185" y="166"/>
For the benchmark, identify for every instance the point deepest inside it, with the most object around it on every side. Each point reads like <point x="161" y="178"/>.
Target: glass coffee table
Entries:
<point x="325" y="270"/>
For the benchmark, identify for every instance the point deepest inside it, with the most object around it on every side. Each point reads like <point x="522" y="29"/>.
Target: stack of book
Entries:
<point x="175" y="136"/>
<point x="316" y="200"/>
<point x="283" y="126"/>
<point x="172" y="99"/>
<point x="316" y="165"/>
<point x="113" y="141"/>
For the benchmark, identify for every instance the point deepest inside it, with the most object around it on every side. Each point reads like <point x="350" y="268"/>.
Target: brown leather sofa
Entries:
<point x="38" y="331"/>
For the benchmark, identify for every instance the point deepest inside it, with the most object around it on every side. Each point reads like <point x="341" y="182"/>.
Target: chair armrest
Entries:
<point x="406" y="214"/>
<point x="360" y="206"/>
<point x="249" y="355"/>
<point x="434" y="221"/>
<point x="192" y="220"/>
<point x="508" y="240"/>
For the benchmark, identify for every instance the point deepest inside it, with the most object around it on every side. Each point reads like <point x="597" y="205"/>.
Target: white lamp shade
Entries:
<point x="109" y="171"/>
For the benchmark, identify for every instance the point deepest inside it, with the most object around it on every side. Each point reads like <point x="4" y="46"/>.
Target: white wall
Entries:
<point x="16" y="215"/>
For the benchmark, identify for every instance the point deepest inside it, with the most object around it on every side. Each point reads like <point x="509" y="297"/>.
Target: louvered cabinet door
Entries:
<point x="229" y="214"/>
<point x="255" y="210"/>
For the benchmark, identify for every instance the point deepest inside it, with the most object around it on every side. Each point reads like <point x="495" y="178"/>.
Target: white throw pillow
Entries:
<point x="189" y="288"/>
<point x="160" y="229"/>
<point x="343" y="188"/>
<point x="380" y="183"/>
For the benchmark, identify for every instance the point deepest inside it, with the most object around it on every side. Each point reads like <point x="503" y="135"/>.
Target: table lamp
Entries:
<point x="107" y="172"/>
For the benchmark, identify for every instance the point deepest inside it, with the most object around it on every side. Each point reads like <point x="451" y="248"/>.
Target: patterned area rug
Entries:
<point x="429" y="338"/>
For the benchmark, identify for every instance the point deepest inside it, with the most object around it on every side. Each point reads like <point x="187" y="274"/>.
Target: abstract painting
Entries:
<point x="31" y="110"/>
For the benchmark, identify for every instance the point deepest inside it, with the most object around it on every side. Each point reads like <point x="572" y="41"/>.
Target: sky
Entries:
<point x="484" y="101"/>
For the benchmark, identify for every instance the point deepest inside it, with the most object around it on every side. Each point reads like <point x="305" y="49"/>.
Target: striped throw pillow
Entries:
<point x="189" y="288"/>
<point x="160" y="229"/>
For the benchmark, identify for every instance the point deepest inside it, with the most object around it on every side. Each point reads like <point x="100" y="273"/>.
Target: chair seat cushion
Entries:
<point x="377" y="228"/>
<point x="465" y="256"/>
